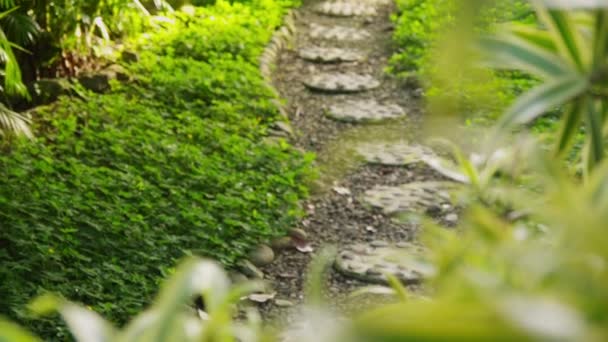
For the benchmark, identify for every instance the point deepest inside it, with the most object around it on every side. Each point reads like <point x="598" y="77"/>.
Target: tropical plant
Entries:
<point x="11" y="36"/>
<point x="170" y="318"/>
<point x="569" y="52"/>
<point x="497" y="280"/>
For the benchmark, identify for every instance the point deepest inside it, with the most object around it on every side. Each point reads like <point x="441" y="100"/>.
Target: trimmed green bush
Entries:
<point x="117" y="188"/>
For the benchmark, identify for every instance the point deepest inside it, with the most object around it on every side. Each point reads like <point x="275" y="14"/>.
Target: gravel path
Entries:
<point x="336" y="215"/>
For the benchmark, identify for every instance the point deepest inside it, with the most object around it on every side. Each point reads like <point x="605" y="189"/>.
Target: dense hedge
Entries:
<point x="118" y="187"/>
<point x="417" y="25"/>
<point x="420" y="23"/>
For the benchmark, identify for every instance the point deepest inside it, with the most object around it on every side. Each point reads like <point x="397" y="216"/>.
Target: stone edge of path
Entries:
<point x="280" y="40"/>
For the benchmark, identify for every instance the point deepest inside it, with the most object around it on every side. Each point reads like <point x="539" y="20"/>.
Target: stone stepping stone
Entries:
<point x="403" y="154"/>
<point x="330" y="55"/>
<point x="358" y="111"/>
<point x="345" y="9"/>
<point x="340" y="33"/>
<point x="394" y="154"/>
<point x="417" y="198"/>
<point x="372" y="262"/>
<point x="341" y="82"/>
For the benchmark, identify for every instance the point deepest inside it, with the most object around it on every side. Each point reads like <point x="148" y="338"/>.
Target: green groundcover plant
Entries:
<point x="117" y="187"/>
<point x="537" y="279"/>
<point x="419" y="27"/>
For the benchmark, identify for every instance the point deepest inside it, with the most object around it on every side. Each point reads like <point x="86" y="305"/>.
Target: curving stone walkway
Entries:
<point x="365" y="128"/>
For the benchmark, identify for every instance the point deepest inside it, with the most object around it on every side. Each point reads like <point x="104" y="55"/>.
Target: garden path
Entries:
<point x="364" y="127"/>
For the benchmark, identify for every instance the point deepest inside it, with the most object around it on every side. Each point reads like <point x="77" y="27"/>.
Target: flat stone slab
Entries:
<point x="345" y="9"/>
<point x="341" y="82"/>
<point x="365" y="111"/>
<point x="330" y="55"/>
<point x="340" y="33"/>
<point x="403" y="154"/>
<point x="417" y="198"/>
<point x="394" y="154"/>
<point x="373" y="261"/>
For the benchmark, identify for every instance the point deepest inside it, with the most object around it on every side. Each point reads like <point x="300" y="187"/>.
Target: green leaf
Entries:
<point x="461" y="321"/>
<point x="45" y="304"/>
<point x="10" y="332"/>
<point x="85" y="325"/>
<point x="8" y="12"/>
<point x="535" y="36"/>
<point x="566" y="35"/>
<point x="165" y="318"/>
<point x="570" y="126"/>
<point x="400" y="289"/>
<point x="598" y="183"/>
<point x="508" y="51"/>
<point x="11" y="121"/>
<point x="13" y="84"/>
<point x="596" y="137"/>
<point x="576" y="4"/>
<point x="600" y="43"/>
<point x="543" y="98"/>
<point x="317" y="271"/>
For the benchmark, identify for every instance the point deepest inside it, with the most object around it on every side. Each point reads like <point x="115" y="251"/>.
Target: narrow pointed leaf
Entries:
<point x="193" y="277"/>
<point x="596" y="137"/>
<point x="598" y="185"/>
<point x="535" y="36"/>
<point x="8" y="12"/>
<point x="12" y="332"/>
<point x="398" y="287"/>
<point x="566" y="35"/>
<point x="604" y="111"/>
<point x="511" y="52"/>
<point x="600" y="44"/>
<point x="570" y="126"/>
<point x="14" y="122"/>
<point x="542" y="99"/>
<point x="86" y="325"/>
<point x="576" y="4"/>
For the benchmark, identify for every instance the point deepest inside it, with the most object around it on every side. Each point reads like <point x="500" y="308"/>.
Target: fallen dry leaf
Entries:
<point x="371" y="229"/>
<point x="341" y="190"/>
<point x="261" y="297"/>
<point x="304" y="247"/>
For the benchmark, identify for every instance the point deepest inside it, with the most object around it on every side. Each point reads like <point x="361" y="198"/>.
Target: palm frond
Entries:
<point x="5" y="4"/>
<point x="510" y="51"/>
<point x="569" y="40"/>
<point x="20" y="28"/>
<point x="596" y="137"/>
<point x="13" y="84"/>
<point x="570" y="126"/>
<point x="538" y="101"/>
<point x="13" y="122"/>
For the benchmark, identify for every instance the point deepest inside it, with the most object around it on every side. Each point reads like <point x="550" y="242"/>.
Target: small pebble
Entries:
<point x="452" y="218"/>
<point x="282" y="303"/>
<point x="379" y="243"/>
<point x="262" y="256"/>
<point x="298" y="234"/>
